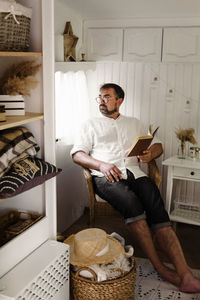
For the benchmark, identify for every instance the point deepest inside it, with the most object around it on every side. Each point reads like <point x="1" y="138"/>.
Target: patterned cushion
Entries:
<point x="15" y="144"/>
<point x="26" y="174"/>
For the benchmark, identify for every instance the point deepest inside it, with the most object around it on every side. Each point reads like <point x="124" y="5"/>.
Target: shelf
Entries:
<point x="175" y="218"/>
<point x="75" y="66"/>
<point x="38" y="233"/>
<point x="186" y="212"/>
<point x="5" y="53"/>
<point x="13" y="121"/>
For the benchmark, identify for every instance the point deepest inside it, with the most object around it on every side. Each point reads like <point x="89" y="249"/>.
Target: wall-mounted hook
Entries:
<point x="170" y="95"/>
<point x="155" y="81"/>
<point x="187" y="107"/>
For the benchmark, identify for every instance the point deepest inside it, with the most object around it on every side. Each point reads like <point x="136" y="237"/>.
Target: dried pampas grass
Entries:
<point x="186" y="135"/>
<point x="19" y="79"/>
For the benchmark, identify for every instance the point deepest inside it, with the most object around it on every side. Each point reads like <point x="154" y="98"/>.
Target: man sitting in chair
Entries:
<point x="102" y="146"/>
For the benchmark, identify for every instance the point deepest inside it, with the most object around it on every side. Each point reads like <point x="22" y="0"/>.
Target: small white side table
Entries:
<point x="182" y="169"/>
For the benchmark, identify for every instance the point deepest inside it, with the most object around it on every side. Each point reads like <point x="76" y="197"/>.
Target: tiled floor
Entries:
<point x="189" y="236"/>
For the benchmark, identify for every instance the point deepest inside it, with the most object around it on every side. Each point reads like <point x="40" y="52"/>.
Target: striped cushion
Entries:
<point x="15" y="144"/>
<point x="26" y="174"/>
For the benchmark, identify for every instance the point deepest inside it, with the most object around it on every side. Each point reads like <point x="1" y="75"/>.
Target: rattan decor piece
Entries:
<point x="15" y="222"/>
<point x="13" y="36"/>
<point x="121" y="288"/>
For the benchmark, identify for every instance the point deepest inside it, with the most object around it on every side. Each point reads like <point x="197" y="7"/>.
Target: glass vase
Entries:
<point x="182" y="150"/>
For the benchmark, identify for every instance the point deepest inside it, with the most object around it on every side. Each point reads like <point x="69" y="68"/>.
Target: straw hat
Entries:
<point x="93" y="246"/>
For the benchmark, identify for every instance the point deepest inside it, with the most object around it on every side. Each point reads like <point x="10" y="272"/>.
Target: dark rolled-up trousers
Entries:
<point x="135" y="199"/>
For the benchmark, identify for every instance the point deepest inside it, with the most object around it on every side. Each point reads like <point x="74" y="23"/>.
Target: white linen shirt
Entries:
<point x="110" y="140"/>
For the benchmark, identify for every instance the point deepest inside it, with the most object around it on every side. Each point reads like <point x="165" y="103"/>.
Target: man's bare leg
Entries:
<point x="168" y="242"/>
<point x="142" y="234"/>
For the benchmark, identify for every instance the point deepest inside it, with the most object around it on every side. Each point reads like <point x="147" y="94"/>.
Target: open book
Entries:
<point x="140" y="144"/>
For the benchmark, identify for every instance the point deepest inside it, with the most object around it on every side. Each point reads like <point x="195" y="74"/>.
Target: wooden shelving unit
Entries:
<point x="3" y="53"/>
<point x="13" y="121"/>
<point x="41" y="199"/>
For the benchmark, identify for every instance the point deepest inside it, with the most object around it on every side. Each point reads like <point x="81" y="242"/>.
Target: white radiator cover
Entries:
<point x="42" y="275"/>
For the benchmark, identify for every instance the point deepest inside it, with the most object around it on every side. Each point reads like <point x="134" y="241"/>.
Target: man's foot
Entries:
<point x="169" y="275"/>
<point x="190" y="284"/>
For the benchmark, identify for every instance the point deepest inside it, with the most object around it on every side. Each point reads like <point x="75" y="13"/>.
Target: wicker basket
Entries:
<point x="15" y="22"/>
<point x="15" y="222"/>
<point x="121" y="288"/>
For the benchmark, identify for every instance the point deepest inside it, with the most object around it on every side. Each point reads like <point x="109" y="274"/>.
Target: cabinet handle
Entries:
<point x="192" y="173"/>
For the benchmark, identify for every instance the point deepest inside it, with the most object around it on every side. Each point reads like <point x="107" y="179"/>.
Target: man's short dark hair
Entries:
<point x="118" y="90"/>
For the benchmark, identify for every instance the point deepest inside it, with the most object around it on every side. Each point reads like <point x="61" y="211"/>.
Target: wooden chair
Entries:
<point x="100" y="207"/>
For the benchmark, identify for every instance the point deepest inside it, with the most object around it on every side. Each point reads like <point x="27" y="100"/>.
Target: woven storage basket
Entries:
<point x="121" y="288"/>
<point x="15" y="22"/>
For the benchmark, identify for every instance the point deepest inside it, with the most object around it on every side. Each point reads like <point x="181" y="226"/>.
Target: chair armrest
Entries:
<point x="88" y="177"/>
<point x="154" y="173"/>
<point x="86" y="173"/>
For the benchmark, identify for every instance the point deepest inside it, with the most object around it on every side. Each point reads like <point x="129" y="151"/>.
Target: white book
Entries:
<point x="14" y="105"/>
<point x="15" y="112"/>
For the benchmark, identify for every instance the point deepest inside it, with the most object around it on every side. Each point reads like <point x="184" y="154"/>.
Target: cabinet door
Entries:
<point x="104" y="44"/>
<point x="142" y="44"/>
<point x="181" y="45"/>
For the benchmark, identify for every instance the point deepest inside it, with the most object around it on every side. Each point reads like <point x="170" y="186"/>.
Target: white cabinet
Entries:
<point x="104" y="44"/>
<point x="43" y="275"/>
<point x="41" y="199"/>
<point x="142" y="44"/>
<point x="182" y="208"/>
<point x="181" y="44"/>
<point x="130" y="44"/>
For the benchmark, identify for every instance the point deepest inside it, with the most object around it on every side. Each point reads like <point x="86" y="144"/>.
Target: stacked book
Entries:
<point x="14" y="105"/>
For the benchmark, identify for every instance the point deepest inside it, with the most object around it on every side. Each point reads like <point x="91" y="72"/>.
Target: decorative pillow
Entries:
<point x="26" y="174"/>
<point x="15" y="144"/>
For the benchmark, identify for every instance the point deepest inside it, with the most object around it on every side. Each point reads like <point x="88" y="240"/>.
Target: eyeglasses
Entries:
<point x="105" y="99"/>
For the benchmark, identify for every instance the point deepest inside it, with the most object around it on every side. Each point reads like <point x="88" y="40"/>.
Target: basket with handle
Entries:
<point x="120" y="288"/>
<point x="15" y="22"/>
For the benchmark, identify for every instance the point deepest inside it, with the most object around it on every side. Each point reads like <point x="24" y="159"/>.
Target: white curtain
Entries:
<point x="72" y="104"/>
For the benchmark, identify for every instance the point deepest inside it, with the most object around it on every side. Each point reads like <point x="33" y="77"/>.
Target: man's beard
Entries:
<point x="105" y="111"/>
